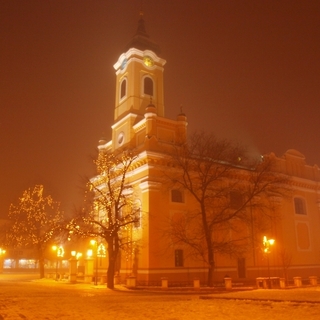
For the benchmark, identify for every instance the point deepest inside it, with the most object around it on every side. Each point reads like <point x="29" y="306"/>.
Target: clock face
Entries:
<point x="120" y="138"/>
<point x="148" y="61"/>
<point x="123" y="64"/>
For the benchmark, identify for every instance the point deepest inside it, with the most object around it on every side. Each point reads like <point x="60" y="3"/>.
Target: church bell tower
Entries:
<point x="139" y="83"/>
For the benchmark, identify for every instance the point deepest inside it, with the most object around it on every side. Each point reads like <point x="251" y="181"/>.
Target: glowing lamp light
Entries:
<point x="101" y="251"/>
<point x="89" y="253"/>
<point x="271" y="241"/>
<point x="267" y="243"/>
<point x="76" y="254"/>
<point x="60" y="250"/>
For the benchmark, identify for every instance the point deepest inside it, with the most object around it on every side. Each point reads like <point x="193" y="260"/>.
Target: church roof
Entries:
<point x="141" y="39"/>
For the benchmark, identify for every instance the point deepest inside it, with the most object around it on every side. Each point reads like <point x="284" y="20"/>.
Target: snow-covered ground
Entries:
<point x="26" y="298"/>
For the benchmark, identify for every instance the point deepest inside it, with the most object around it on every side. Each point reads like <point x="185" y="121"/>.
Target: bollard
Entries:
<point x="313" y="280"/>
<point x="282" y="283"/>
<point x="164" y="283"/>
<point x="131" y="282"/>
<point x="228" y="283"/>
<point x="196" y="284"/>
<point x="297" y="281"/>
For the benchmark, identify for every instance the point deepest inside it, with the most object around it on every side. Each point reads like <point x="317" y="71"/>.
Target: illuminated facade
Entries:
<point x="140" y="124"/>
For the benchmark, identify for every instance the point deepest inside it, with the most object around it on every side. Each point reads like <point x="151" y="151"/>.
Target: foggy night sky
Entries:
<point x="243" y="69"/>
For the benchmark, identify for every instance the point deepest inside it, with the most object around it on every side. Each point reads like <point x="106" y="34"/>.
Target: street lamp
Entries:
<point x="60" y="254"/>
<point x="267" y="243"/>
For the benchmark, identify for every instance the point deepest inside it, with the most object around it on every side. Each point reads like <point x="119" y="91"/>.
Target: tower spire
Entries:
<point x="141" y="26"/>
<point x="141" y="39"/>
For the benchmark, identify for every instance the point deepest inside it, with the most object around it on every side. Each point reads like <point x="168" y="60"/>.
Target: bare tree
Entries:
<point x="286" y="259"/>
<point x="228" y="192"/>
<point x="36" y="219"/>
<point x="111" y="210"/>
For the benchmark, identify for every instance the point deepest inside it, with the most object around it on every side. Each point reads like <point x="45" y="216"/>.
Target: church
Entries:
<point x="140" y="124"/>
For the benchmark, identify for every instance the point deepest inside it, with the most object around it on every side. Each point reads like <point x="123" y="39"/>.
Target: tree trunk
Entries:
<point x="111" y="267"/>
<point x="41" y="267"/>
<point x="110" y="275"/>
<point x="41" y="261"/>
<point x="209" y="243"/>
<point x="210" y="269"/>
<point x="210" y="274"/>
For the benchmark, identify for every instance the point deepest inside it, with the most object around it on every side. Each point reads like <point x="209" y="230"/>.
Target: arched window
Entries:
<point x="123" y="88"/>
<point x="148" y="86"/>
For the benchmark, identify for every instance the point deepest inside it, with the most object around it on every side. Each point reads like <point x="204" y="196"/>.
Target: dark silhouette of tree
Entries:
<point x="286" y="260"/>
<point x="110" y="209"/>
<point x="233" y="198"/>
<point x="36" y="219"/>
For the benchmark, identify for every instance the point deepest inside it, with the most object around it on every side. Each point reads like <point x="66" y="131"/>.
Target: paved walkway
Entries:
<point x="310" y="294"/>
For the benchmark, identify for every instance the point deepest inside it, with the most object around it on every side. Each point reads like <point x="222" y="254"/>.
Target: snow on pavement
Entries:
<point x="48" y="299"/>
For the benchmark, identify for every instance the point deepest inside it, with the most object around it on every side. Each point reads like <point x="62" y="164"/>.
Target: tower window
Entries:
<point x="300" y="206"/>
<point x="123" y="88"/>
<point x="148" y="86"/>
<point x="178" y="258"/>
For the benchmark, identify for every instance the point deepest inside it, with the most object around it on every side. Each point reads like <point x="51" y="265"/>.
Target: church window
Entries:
<point x="300" y="206"/>
<point x="176" y="195"/>
<point x="123" y="88"/>
<point x="178" y="258"/>
<point x="148" y="86"/>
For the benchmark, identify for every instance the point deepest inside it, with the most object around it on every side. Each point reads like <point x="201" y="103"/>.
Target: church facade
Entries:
<point x="140" y="125"/>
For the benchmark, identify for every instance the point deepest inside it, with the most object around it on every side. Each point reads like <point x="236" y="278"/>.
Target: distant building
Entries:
<point x="140" y="124"/>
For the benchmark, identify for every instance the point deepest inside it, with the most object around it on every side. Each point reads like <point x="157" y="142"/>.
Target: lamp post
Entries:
<point x="60" y="254"/>
<point x="2" y="252"/>
<point x="267" y="243"/>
